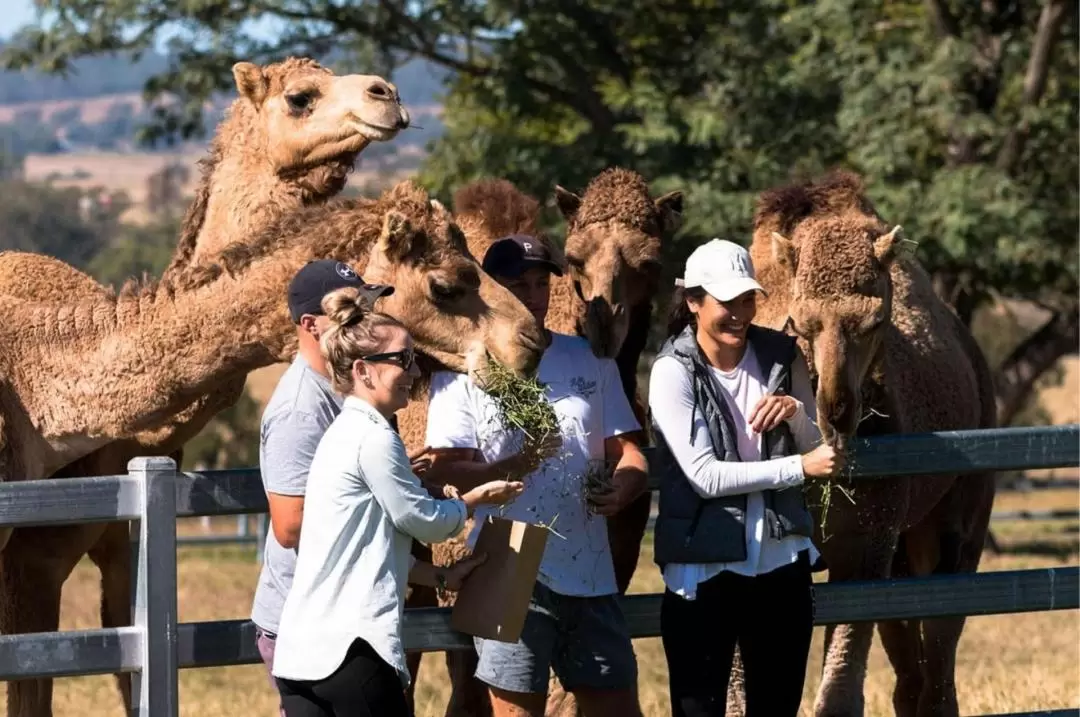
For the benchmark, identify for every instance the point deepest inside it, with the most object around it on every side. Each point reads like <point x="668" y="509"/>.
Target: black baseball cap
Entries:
<point x="318" y="278"/>
<point x="513" y="255"/>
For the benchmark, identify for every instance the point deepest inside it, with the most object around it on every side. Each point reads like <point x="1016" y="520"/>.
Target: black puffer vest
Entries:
<point x="692" y="529"/>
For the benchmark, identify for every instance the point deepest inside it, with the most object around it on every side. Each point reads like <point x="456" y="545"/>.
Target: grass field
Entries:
<point x="1007" y="663"/>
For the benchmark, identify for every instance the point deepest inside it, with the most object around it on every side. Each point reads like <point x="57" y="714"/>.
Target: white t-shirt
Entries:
<point x="587" y="396"/>
<point x="671" y="400"/>
<point x="362" y="510"/>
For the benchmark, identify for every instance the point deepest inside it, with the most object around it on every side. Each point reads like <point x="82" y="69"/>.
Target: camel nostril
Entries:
<point x="380" y="90"/>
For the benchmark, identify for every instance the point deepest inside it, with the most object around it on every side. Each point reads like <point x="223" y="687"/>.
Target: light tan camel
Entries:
<point x="612" y="252"/>
<point x="889" y="357"/>
<point x="149" y="351"/>
<point x="288" y="140"/>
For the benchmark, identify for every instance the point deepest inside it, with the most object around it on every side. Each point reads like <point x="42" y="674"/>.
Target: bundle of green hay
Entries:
<point x="521" y="404"/>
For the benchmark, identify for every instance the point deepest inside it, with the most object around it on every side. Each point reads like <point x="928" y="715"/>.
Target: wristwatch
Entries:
<point x="440" y="584"/>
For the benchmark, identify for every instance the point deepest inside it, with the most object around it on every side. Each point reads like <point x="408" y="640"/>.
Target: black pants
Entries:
<point x="363" y="686"/>
<point x="770" y="616"/>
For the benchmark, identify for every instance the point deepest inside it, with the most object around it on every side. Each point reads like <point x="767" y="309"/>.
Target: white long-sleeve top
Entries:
<point x="362" y="510"/>
<point x="671" y="400"/>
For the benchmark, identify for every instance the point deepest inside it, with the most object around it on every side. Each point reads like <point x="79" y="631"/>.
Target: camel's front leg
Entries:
<point x="32" y="575"/>
<point x="866" y="556"/>
<point x="960" y="543"/>
<point x="112" y="556"/>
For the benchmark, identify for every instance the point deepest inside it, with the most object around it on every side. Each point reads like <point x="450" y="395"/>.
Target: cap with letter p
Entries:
<point x="722" y="268"/>
<point x="513" y="255"/>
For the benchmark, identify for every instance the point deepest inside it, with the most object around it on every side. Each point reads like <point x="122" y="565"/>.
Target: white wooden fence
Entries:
<point x="153" y="494"/>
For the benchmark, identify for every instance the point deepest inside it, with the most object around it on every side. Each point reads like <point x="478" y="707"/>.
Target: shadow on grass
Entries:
<point x="1044" y="548"/>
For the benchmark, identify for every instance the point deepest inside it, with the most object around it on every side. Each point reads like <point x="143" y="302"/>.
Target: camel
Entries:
<point x="316" y="124"/>
<point x="612" y="251"/>
<point x="888" y="357"/>
<point x="141" y="355"/>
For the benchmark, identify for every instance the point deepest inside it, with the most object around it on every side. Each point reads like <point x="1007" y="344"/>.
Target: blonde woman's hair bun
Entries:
<point x="346" y="306"/>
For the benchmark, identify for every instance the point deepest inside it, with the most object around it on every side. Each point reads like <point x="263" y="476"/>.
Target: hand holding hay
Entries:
<point x="522" y="405"/>
<point x="598" y="482"/>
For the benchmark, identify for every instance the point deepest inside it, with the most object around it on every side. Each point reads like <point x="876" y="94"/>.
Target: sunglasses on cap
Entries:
<point x="404" y="358"/>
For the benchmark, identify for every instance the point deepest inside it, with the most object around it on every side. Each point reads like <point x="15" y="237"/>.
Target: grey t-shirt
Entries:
<point x="296" y="417"/>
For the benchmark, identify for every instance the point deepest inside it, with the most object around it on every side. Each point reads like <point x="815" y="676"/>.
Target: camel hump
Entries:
<point x="500" y="206"/>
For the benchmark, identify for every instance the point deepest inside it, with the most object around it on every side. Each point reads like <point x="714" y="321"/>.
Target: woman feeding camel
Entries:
<point x="731" y="405"/>
<point x="339" y="646"/>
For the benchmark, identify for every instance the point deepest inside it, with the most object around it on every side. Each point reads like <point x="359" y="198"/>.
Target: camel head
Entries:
<point x="303" y="117"/>
<point x="840" y="308"/>
<point x="457" y="314"/>
<point x="613" y="240"/>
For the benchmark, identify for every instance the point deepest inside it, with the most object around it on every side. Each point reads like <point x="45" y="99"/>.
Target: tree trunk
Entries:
<point x="1058" y="337"/>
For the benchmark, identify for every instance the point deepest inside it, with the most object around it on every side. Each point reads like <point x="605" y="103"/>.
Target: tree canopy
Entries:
<point x="962" y="117"/>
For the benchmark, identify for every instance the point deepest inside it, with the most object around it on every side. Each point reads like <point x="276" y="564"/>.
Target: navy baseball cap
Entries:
<point x="318" y="278"/>
<point x="515" y="254"/>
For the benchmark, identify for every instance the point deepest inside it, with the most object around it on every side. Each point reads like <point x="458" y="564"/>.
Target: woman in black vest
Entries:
<point x="732" y="408"/>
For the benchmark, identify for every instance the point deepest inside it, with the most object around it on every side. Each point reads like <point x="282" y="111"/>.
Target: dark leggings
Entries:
<point x="363" y="686"/>
<point x="770" y="616"/>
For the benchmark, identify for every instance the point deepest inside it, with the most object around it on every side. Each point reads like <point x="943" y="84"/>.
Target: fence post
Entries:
<point x="155" y="687"/>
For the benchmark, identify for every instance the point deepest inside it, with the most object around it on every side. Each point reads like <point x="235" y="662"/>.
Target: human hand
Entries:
<point x="771" y="411"/>
<point x="533" y="454"/>
<point x="456" y="573"/>
<point x="450" y="492"/>
<point x="623" y="489"/>
<point x="420" y="461"/>
<point x="494" y="492"/>
<point x="823" y="462"/>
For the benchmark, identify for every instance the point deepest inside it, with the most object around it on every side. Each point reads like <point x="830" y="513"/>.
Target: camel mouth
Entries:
<point x="379" y="131"/>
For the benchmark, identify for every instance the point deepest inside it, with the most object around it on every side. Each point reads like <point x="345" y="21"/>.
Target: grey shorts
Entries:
<point x="583" y="639"/>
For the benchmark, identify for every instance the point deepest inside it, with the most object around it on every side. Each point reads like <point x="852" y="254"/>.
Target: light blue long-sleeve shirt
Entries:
<point x="363" y="507"/>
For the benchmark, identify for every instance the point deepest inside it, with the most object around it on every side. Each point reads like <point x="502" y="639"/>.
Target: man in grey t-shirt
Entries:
<point x="301" y="409"/>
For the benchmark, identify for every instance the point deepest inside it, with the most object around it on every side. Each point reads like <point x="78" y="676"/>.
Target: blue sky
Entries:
<point x="16" y="14"/>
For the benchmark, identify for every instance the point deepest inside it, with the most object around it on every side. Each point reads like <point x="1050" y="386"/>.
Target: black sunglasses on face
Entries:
<point x="405" y="358"/>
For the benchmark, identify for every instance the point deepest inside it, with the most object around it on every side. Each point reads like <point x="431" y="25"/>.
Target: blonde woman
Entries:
<point x="339" y="648"/>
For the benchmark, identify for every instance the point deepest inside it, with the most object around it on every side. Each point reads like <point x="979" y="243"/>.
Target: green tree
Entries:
<point x="962" y="116"/>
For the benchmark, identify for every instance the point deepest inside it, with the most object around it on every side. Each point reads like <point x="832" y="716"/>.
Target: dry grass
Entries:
<point x="1006" y="663"/>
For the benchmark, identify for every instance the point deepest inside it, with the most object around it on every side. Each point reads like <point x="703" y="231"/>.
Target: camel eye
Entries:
<point x="299" y="101"/>
<point x="446" y="293"/>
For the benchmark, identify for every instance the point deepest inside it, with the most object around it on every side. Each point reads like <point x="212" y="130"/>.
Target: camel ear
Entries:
<point x="250" y="82"/>
<point x="783" y="251"/>
<point x="396" y="240"/>
<point x="567" y="201"/>
<point x="891" y="246"/>
<point x="671" y="210"/>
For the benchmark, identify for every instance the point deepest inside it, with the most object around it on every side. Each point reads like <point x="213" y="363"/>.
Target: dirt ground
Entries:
<point x="1007" y="663"/>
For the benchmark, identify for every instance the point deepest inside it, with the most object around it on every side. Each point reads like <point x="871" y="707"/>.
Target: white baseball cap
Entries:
<point x="722" y="268"/>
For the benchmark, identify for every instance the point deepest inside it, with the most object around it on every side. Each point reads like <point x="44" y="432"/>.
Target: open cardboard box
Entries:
<point x="494" y="599"/>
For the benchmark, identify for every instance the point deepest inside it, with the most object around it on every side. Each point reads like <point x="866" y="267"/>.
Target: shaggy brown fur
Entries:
<point x="312" y="158"/>
<point x="890" y="357"/>
<point x="614" y="235"/>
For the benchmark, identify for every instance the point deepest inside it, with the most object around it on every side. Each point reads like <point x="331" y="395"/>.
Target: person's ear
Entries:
<point x="307" y="323"/>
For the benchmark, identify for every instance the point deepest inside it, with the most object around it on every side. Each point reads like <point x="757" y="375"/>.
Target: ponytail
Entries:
<point x="680" y="316"/>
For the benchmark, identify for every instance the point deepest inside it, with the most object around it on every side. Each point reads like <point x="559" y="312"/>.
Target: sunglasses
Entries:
<point x="404" y="358"/>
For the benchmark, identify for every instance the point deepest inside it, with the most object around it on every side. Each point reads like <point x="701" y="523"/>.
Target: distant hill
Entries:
<point x="98" y="106"/>
<point x="418" y="81"/>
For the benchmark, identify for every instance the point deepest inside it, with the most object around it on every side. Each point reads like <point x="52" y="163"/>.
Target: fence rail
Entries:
<point x="153" y="495"/>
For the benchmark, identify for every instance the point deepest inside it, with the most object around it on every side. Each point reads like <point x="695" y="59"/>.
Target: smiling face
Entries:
<point x="385" y="377"/>
<point x="308" y="116"/>
<point x="724" y="323"/>
<point x="840" y="307"/>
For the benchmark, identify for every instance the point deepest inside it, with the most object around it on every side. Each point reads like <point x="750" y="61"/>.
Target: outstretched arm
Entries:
<point x="671" y="399"/>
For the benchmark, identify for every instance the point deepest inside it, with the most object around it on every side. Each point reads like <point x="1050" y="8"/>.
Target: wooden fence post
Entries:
<point x="155" y="687"/>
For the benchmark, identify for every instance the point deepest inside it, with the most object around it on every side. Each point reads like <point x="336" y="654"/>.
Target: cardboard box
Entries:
<point x="494" y="599"/>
